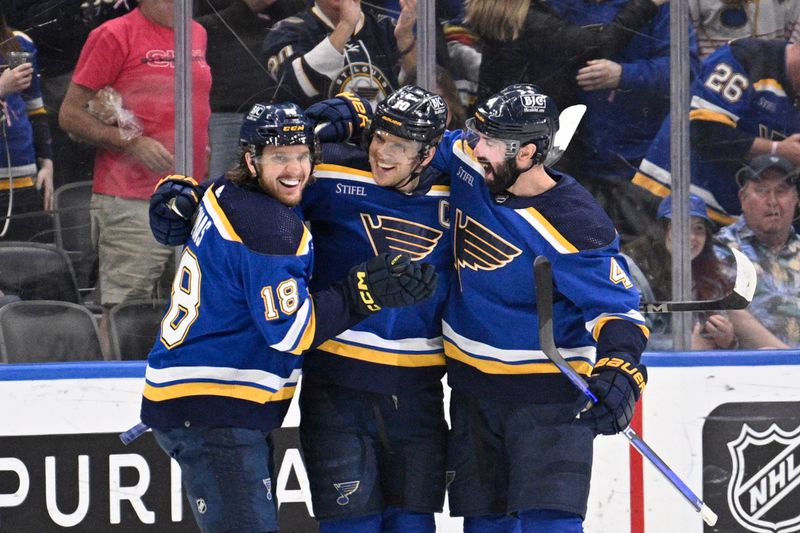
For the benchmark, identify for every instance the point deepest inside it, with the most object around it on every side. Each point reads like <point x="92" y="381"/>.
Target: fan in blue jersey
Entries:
<point x="372" y="425"/>
<point x="744" y="104"/>
<point x="227" y="360"/>
<point x="519" y="459"/>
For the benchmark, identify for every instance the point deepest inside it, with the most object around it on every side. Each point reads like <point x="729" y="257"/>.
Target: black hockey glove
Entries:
<point x="618" y="381"/>
<point x="341" y="118"/>
<point x="389" y="280"/>
<point x="172" y="207"/>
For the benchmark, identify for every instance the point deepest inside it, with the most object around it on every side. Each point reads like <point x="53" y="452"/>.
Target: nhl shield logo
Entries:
<point x="763" y="493"/>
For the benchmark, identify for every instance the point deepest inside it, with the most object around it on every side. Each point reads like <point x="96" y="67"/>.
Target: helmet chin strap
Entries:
<point x="416" y="171"/>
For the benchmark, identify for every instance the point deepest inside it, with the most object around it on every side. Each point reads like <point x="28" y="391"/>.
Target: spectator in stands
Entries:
<point x="627" y="96"/>
<point x="236" y="31"/>
<point x="550" y="43"/>
<point x="464" y="59"/>
<point x="335" y="46"/>
<point x="60" y="28"/>
<point x="651" y="269"/>
<point x="133" y="55"/>
<point x="717" y="22"/>
<point x="764" y="233"/>
<point x="527" y="41"/>
<point x="743" y="106"/>
<point x="26" y="152"/>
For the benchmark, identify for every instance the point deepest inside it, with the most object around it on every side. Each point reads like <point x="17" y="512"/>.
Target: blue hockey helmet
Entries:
<point x="518" y="115"/>
<point x="412" y="113"/>
<point x="276" y="125"/>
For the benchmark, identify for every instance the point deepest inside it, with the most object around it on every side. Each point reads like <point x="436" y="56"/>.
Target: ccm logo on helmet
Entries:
<point x="299" y="127"/>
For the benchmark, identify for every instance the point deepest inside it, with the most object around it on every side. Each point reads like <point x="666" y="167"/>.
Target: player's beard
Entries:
<point x="504" y="175"/>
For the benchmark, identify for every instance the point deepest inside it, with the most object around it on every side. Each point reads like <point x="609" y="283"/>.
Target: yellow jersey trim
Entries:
<point x="603" y="321"/>
<point x="308" y="334"/>
<point x="240" y="392"/>
<point x="498" y="367"/>
<point x="382" y="357"/>
<point x="18" y="183"/>
<point x="646" y="182"/>
<point x="302" y="248"/>
<point x="220" y="217"/>
<point x="711" y="116"/>
<point x="551" y="230"/>
<point x="347" y="170"/>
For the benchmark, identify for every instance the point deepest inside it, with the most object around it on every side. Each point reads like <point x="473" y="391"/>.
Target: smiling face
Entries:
<point x="283" y="172"/>
<point x="490" y="153"/>
<point x="697" y="236"/>
<point x="392" y="159"/>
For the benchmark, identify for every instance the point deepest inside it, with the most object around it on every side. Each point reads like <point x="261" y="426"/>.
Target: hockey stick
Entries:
<point x="742" y="294"/>
<point x="568" y="122"/>
<point x="544" y="305"/>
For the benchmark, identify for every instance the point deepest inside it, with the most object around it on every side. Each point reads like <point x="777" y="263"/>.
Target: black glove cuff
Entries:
<point x="628" y="366"/>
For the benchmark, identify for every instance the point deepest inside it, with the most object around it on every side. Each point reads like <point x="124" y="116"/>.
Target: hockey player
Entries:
<point x="372" y="421"/>
<point x="228" y="357"/>
<point x="743" y="105"/>
<point x="518" y="457"/>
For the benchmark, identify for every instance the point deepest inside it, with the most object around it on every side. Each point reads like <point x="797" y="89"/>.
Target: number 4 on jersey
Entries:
<point x="618" y="275"/>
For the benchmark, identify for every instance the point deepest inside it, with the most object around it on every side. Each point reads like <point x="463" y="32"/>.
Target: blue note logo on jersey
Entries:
<point x="391" y="234"/>
<point x="345" y="490"/>
<point x="479" y="248"/>
<point x="268" y="485"/>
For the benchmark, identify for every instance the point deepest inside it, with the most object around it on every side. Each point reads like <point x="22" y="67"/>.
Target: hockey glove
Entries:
<point x="389" y="280"/>
<point x="618" y="381"/>
<point x="341" y="118"/>
<point x="172" y="207"/>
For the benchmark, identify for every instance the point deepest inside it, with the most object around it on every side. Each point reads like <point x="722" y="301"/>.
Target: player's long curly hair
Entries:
<point x="654" y="259"/>
<point x="240" y="174"/>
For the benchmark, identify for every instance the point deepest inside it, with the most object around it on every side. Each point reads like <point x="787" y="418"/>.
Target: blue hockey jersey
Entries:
<point x="304" y="63"/>
<point x="230" y="344"/>
<point x="744" y="87"/>
<point x="353" y="219"/>
<point x="18" y="139"/>
<point x="490" y="320"/>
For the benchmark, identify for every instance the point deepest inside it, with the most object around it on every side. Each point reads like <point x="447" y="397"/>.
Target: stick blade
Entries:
<point x="746" y="277"/>
<point x="744" y="289"/>
<point x="568" y="122"/>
